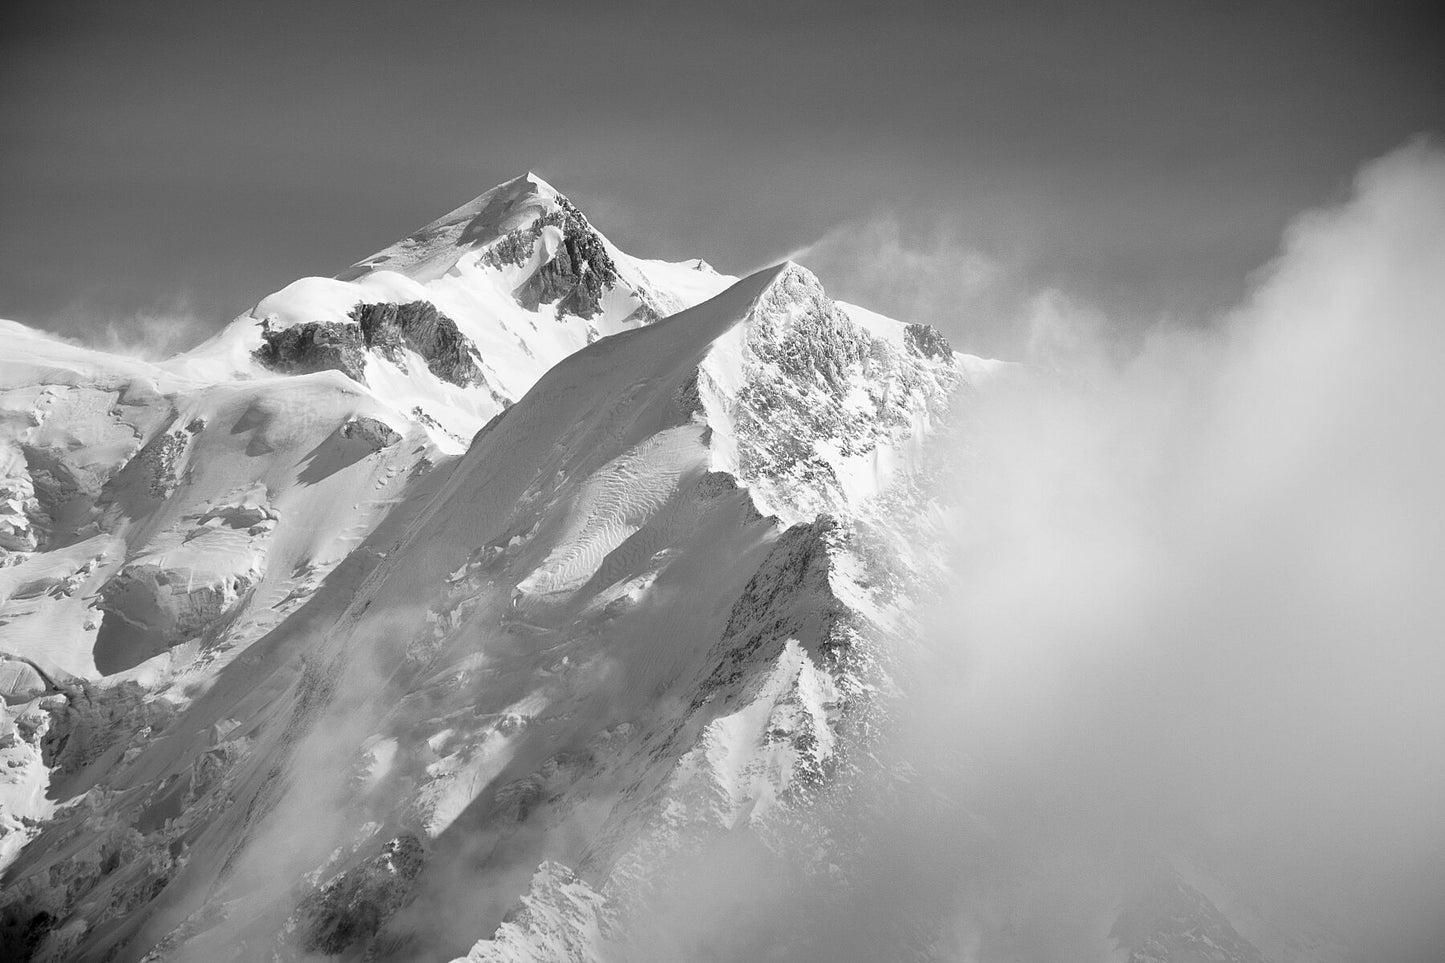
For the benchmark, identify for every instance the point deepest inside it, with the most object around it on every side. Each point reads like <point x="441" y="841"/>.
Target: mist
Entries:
<point x="1195" y="632"/>
<point x="902" y="269"/>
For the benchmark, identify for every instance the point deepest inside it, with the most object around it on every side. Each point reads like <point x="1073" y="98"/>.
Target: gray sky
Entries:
<point x="177" y="161"/>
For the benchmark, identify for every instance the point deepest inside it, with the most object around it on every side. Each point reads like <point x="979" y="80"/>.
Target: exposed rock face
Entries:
<point x="86" y="721"/>
<point x="788" y="598"/>
<point x="19" y="508"/>
<point x="163" y="459"/>
<point x="69" y="731"/>
<point x="314" y="346"/>
<point x="350" y="909"/>
<point x="576" y="277"/>
<point x="389" y="328"/>
<point x="927" y="341"/>
<point x="377" y="434"/>
<point x="819" y="392"/>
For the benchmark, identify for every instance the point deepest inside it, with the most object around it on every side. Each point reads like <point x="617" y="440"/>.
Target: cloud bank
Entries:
<point x="1197" y="628"/>
<point x="1200" y="591"/>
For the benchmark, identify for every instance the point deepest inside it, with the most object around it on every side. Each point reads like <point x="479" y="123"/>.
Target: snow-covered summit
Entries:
<point x="456" y="321"/>
<point x="434" y="249"/>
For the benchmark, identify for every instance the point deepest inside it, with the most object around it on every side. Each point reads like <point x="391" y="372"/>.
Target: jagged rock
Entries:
<point x="789" y="597"/>
<point x="313" y="346"/>
<point x="820" y="396"/>
<point x="377" y="434"/>
<point x="163" y="459"/>
<point x="56" y="485"/>
<point x="50" y="942"/>
<point x="576" y="277"/>
<point x="389" y="328"/>
<point x="927" y="341"/>
<point x="33" y="923"/>
<point x="19" y="508"/>
<point x="351" y="908"/>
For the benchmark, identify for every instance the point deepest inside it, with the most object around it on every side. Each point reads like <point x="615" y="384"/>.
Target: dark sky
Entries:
<point x="188" y="158"/>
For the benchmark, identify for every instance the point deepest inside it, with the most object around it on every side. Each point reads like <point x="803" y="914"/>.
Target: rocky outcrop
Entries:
<point x="313" y="346"/>
<point x="374" y="433"/>
<point x="578" y="274"/>
<point x="569" y="279"/>
<point x="927" y="341"/>
<point x="21" y="518"/>
<point x="390" y="328"/>
<point x="163" y="459"/>
<point x="820" y="402"/>
<point x="351" y="909"/>
<point x="789" y="597"/>
<point x="115" y="868"/>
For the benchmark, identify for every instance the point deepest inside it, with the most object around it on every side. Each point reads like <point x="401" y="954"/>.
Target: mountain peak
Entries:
<point x="539" y="185"/>
<point x="431" y="250"/>
<point x="519" y="189"/>
<point x="518" y="271"/>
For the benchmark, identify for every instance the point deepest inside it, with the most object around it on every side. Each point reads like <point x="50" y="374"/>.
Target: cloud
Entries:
<point x="896" y="268"/>
<point x="153" y="333"/>
<point x="1196" y="614"/>
<point x="1200" y="595"/>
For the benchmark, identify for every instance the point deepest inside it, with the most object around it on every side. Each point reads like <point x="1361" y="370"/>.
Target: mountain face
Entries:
<point x="461" y="604"/>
